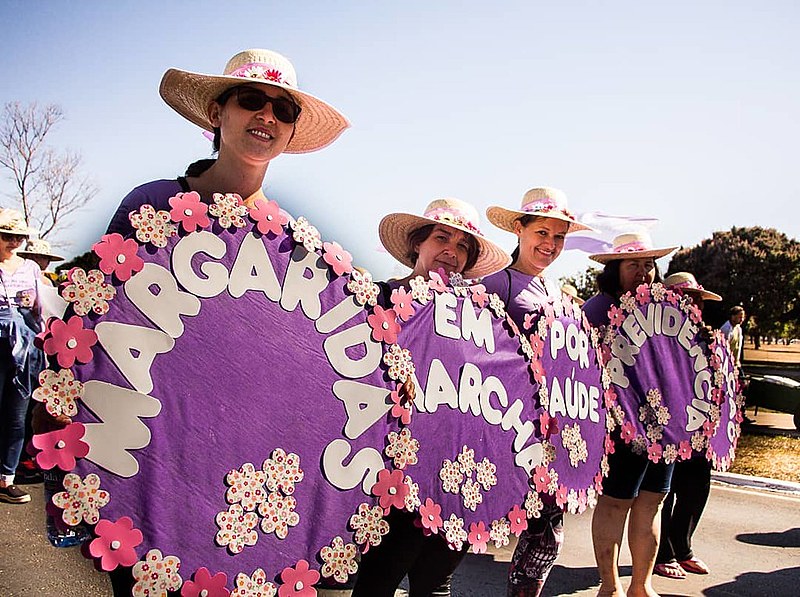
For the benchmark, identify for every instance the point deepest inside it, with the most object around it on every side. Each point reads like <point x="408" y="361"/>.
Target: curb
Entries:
<point x="762" y="483"/>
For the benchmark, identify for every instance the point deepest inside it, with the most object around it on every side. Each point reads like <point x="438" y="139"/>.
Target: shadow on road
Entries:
<point x="571" y="580"/>
<point x="787" y="538"/>
<point x="777" y="582"/>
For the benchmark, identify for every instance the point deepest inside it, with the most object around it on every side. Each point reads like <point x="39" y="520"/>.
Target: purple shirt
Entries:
<point x="520" y="292"/>
<point x="596" y="308"/>
<point x="157" y="193"/>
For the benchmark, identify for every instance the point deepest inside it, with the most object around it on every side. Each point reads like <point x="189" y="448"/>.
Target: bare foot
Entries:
<point x="611" y="590"/>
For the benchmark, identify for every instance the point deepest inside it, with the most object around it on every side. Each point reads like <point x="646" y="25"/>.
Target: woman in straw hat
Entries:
<point x="634" y="485"/>
<point x="255" y="111"/>
<point x="445" y="237"/>
<point x="21" y="362"/>
<point x="691" y="479"/>
<point x="541" y="225"/>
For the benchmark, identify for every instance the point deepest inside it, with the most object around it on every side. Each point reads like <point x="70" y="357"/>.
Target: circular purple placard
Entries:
<point x="727" y="395"/>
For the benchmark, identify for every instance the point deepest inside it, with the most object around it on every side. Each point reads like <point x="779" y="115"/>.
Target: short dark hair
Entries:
<point x="608" y="279"/>
<point x="421" y="234"/>
<point x="735" y="310"/>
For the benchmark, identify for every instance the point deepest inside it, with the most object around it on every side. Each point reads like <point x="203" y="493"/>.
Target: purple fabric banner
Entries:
<point x="729" y="398"/>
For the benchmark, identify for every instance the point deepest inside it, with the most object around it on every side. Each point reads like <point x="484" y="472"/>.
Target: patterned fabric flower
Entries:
<point x="69" y="341"/>
<point x="87" y="291"/>
<point x="541" y="479"/>
<point x="384" y="325"/>
<point x="339" y="560"/>
<point x="362" y="286"/>
<point x="574" y="502"/>
<point x="81" y="500"/>
<point x="533" y="504"/>
<point x="575" y="445"/>
<point x="400" y="409"/>
<point x="412" y="499"/>
<point x="118" y="256"/>
<point x="189" y="211"/>
<point x="627" y="302"/>
<point x="59" y="391"/>
<point x="478" y="537"/>
<point x="420" y="290"/>
<point x="279" y="515"/>
<point x="268" y="217"/>
<point x="518" y="520"/>
<point x="591" y="497"/>
<point x="116" y="543"/>
<point x="398" y="360"/>
<point x="402" y="448"/>
<point x="401" y="303"/>
<point x="500" y="532"/>
<point x="156" y="575"/>
<point x="670" y="453"/>
<point x="451" y="476"/>
<point x="246" y="487"/>
<point x="369" y="525"/>
<point x="553" y="485"/>
<point x="283" y="471"/>
<point x="485" y="474"/>
<point x="544" y="396"/>
<point x="298" y="581"/>
<point x="61" y="447"/>
<point x="236" y="528"/>
<point x="340" y="260"/>
<point x="496" y="305"/>
<point x="639" y="445"/>
<point x="548" y="452"/>
<point x="525" y="344"/>
<point x="253" y="586"/>
<point x="430" y="514"/>
<point x="390" y="490"/>
<point x="471" y="492"/>
<point x="454" y="532"/>
<point x="658" y="291"/>
<point x="152" y="226"/>
<point x="307" y="235"/>
<point x="466" y="460"/>
<point x="205" y="585"/>
<point x="478" y="295"/>
<point x="229" y="209"/>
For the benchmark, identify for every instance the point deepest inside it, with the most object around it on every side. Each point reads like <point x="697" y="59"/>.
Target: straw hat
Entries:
<point x="189" y="94"/>
<point x="13" y="222"/>
<point x="545" y="202"/>
<point x="633" y="245"/>
<point x="572" y="292"/>
<point x="686" y="282"/>
<point x="395" y="228"/>
<point x="37" y="247"/>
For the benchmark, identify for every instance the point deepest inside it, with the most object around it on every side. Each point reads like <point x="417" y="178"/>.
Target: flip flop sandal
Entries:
<point x="670" y="570"/>
<point x="695" y="566"/>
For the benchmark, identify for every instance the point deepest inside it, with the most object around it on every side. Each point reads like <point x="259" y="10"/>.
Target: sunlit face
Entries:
<point x="540" y="242"/>
<point x="738" y="318"/>
<point x="253" y="137"/>
<point x="633" y="272"/>
<point x="445" y="248"/>
<point x="11" y="242"/>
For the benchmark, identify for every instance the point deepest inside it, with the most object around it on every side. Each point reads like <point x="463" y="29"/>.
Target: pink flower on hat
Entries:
<point x="118" y="256"/>
<point x="61" y="447"/>
<point x="268" y="217"/>
<point x="340" y="260"/>
<point x="478" y="537"/>
<point x="430" y="516"/>
<point x="189" y="211"/>
<point x="390" y="489"/>
<point x="69" y="341"/>
<point x="205" y="585"/>
<point x="401" y="303"/>
<point x="116" y="543"/>
<point x="298" y="581"/>
<point x="384" y="325"/>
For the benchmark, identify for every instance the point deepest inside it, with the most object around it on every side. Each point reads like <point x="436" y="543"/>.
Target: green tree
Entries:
<point x="585" y="282"/>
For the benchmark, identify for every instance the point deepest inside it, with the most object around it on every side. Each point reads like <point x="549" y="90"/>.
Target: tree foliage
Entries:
<point x="47" y="183"/>
<point x="585" y="282"/>
<point x="757" y="268"/>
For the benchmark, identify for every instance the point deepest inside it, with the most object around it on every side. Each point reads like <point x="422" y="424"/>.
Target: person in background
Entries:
<point x="635" y="486"/>
<point x="691" y="479"/>
<point x="447" y="237"/>
<point x="541" y="225"/>
<point x="732" y="329"/>
<point x="39" y="250"/>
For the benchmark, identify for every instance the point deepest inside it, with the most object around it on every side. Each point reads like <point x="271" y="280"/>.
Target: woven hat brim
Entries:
<point x="504" y="218"/>
<point x="704" y="294"/>
<point x="189" y="94"/>
<point x="395" y="228"/>
<point x="50" y="256"/>
<point x="654" y="253"/>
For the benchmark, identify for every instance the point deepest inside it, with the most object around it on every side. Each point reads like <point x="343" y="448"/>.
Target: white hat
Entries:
<point x="190" y="94"/>
<point x="632" y="245"/>
<point x="13" y="222"/>
<point x="544" y="202"/>
<point x="686" y="282"/>
<point x="38" y="247"/>
<point x="395" y="228"/>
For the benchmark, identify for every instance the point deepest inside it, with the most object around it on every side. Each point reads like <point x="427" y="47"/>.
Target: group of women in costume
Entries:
<point x="255" y="112"/>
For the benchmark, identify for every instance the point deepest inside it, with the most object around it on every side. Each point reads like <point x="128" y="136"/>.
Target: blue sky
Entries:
<point x="684" y="111"/>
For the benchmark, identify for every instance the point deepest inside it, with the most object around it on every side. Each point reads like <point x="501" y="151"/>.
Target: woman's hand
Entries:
<point x="43" y="422"/>
<point x="408" y="392"/>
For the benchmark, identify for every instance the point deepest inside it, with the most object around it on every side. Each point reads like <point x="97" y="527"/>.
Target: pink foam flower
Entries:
<point x="518" y="519"/>
<point x="715" y="360"/>
<point x="189" y="211"/>
<point x="609" y="397"/>
<point x="61" y="447"/>
<point x="384" y="325"/>
<point x="562" y="495"/>
<point x="390" y="489"/>
<point x="717" y="395"/>
<point x="116" y="543"/>
<point x="537" y="369"/>
<point x="399" y="410"/>
<point x="616" y="316"/>
<point x="627" y="432"/>
<point x="582" y="500"/>
<point x="609" y="445"/>
<point x="340" y="260"/>
<point x="269" y="217"/>
<point x="118" y="256"/>
<point x="642" y="293"/>
<point x="541" y="479"/>
<point x="431" y="516"/>
<point x="548" y="425"/>
<point x="695" y="314"/>
<point x="478" y="295"/>
<point x="528" y="321"/>
<point x="549" y="313"/>
<point x="205" y="585"/>
<point x="512" y="324"/>
<point x="708" y="428"/>
<point x="685" y="450"/>
<point x="69" y="341"/>
<point x="654" y="452"/>
<point x="673" y="297"/>
<point x="537" y="344"/>
<point x="438" y="280"/>
<point x="478" y="537"/>
<point x="598" y="482"/>
<point x="298" y="581"/>
<point x="605" y="353"/>
<point x="401" y="303"/>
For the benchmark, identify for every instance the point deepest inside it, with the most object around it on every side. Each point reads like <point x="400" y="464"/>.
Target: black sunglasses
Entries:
<point x="252" y="99"/>
<point x="8" y="237"/>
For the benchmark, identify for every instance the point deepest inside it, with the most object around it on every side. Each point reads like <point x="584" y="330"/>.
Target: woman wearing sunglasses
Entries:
<point x="255" y="112"/>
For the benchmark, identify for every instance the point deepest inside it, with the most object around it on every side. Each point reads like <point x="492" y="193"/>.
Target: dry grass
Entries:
<point x="772" y="456"/>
